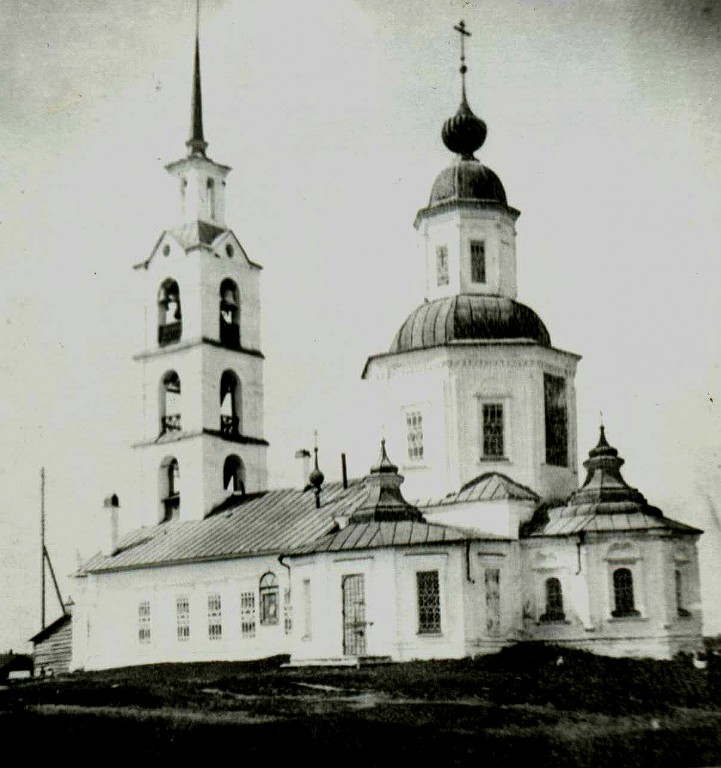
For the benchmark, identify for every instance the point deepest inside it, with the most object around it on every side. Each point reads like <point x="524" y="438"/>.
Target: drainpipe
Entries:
<point x="579" y="544"/>
<point x="468" y="563"/>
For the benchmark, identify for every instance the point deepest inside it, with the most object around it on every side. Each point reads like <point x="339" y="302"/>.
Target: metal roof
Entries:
<point x="587" y="518"/>
<point x="270" y="522"/>
<point x="197" y="233"/>
<point x="490" y="486"/>
<point x="405" y="533"/>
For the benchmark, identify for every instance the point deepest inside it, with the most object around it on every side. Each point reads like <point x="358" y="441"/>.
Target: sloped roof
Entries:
<point x="197" y="233"/>
<point x="490" y="486"/>
<point x="55" y="626"/>
<point x="270" y="522"/>
<point x="567" y="521"/>
<point x="405" y="533"/>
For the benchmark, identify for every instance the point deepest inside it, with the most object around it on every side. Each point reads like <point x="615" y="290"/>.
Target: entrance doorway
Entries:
<point x="354" y="615"/>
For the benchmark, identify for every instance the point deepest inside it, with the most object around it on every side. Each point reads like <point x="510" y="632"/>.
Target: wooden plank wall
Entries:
<point x="53" y="653"/>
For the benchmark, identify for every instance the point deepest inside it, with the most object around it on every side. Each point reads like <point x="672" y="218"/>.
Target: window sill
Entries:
<point x="429" y="634"/>
<point x="491" y="459"/>
<point x="411" y="465"/>
<point x="627" y="618"/>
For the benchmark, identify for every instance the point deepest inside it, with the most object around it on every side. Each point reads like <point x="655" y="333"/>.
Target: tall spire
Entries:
<point x="196" y="143"/>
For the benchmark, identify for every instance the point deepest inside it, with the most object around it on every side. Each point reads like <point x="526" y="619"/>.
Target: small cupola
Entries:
<point x="604" y="482"/>
<point x="385" y="502"/>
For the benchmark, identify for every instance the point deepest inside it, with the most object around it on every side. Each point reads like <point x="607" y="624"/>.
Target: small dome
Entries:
<point x="464" y="133"/>
<point x="469" y="317"/>
<point x="467" y="180"/>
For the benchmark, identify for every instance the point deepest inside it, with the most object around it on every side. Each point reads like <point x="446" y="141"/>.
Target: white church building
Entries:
<point x="491" y="542"/>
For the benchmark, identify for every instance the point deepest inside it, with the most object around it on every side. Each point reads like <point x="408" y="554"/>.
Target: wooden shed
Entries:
<point x="52" y="647"/>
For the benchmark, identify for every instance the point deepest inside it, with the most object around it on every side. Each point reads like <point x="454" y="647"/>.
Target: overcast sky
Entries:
<point x="604" y="124"/>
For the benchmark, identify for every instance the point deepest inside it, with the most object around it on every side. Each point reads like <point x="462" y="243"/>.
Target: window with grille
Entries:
<point x="493" y="430"/>
<point x="442" y="265"/>
<point x="492" y="583"/>
<point x="478" y="261"/>
<point x="215" y="617"/>
<point x="268" y="599"/>
<point x="556" y="420"/>
<point x="623" y="593"/>
<point x="287" y="613"/>
<point x="554" y="601"/>
<point x="182" y="614"/>
<point x="414" y="435"/>
<point x="144" y="622"/>
<point x="247" y="614"/>
<point x="429" y="603"/>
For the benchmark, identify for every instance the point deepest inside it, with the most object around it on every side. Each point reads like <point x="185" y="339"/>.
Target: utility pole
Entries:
<point x="42" y="548"/>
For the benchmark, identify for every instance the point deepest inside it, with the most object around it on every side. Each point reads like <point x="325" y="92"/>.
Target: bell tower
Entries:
<point x="201" y="360"/>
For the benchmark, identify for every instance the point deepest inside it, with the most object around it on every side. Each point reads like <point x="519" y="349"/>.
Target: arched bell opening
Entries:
<point x="170" y="403"/>
<point x="229" y="314"/>
<point x="231" y="410"/>
<point x="170" y="326"/>
<point x="169" y="487"/>
<point x="234" y="475"/>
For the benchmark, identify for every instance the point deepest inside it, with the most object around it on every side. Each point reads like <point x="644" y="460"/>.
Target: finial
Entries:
<point x="464" y="33"/>
<point x="463" y="133"/>
<point x="196" y="144"/>
<point x="316" y="477"/>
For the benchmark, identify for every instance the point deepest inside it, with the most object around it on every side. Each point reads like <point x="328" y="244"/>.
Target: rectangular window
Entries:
<point x="215" y="617"/>
<point x="556" y="420"/>
<point x="306" y="610"/>
<point x="144" y="622"/>
<point x="492" y="579"/>
<point x="478" y="261"/>
<point x="287" y="613"/>
<point x="414" y="434"/>
<point x="493" y="430"/>
<point x="442" y="265"/>
<point x="182" y="613"/>
<point x="247" y="614"/>
<point x="429" y="603"/>
<point x="681" y="609"/>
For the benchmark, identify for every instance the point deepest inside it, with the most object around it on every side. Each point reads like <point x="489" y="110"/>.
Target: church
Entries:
<point x="483" y="534"/>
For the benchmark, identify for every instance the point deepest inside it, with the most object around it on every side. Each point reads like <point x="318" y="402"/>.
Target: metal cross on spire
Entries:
<point x="463" y="33"/>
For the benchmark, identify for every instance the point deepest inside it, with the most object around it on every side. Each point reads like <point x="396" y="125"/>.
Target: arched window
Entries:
<point x="623" y="593"/>
<point x="170" y="488"/>
<point x="170" y="403"/>
<point x="230" y="404"/>
<point x="234" y="475"/>
<point x="229" y="314"/>
<point x="170" y="325"/>
<point x="554" y="601"/>
<point x="268" y="599"/>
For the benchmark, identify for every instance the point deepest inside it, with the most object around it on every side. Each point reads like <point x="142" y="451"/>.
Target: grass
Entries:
<point x="555" y="707"/>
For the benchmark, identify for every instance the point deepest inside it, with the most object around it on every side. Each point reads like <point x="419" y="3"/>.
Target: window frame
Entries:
<point x="215" y="616"/>
<point x="429" y="614"/>
<point x="442" y="267"/>
<point x="410" y="412"/>
<point x="144" y="616"/>
<point x="553" y="604"/>
<point x="551" y="413"/>
<point x="269" y="599"/>
<point x="484" y="264"/>
<point x="182" y="619"/>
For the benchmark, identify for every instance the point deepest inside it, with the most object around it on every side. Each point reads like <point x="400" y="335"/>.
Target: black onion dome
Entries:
<point x="467" y="180"/>
<point x="469" y="317"/>
<point x="464" y="133"/>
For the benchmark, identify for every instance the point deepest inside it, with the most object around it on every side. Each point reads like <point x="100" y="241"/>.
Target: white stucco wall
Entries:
<point x="106" y="621"/>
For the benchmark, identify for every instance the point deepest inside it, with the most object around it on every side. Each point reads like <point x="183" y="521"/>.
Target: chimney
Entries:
<point x="109" y="524"/>
<point x="344" y="470"/>
<point x="305" y="466"/>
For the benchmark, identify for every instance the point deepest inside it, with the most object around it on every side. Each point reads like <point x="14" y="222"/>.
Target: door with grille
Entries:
<point x="354" y="615"/>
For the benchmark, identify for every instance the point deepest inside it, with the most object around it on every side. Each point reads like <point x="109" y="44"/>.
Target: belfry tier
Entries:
<point x="202" y="365"/>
